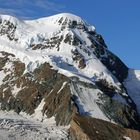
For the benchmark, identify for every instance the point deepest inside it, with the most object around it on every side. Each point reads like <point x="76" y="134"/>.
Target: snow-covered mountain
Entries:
<point x="60" y="67"/>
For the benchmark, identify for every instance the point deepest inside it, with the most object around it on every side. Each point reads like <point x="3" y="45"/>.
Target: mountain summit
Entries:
<point x="59" y="68"/>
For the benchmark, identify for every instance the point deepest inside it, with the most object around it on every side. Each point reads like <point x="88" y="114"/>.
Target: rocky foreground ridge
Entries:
<point x="60" y="67"/>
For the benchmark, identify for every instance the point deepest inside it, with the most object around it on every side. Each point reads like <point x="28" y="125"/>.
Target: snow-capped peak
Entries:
<point x="53" y="66"/>
<point x="64" y="40"/>
<point x="57" y="17"/>
<point x="62" y="19"/>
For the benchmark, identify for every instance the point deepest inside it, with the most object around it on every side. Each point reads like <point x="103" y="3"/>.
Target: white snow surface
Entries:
<point x="132" y="84"/>
<point x="2" y="75"/>
<point x="86" y="100"/>
<point x="15" y="90"/>
<point x="22" y="127"/>
<point x="127" y="138"/>
<point x="38" y="111"/>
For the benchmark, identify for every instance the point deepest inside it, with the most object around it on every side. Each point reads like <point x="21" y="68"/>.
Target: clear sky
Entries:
<point x="117" y="20"/>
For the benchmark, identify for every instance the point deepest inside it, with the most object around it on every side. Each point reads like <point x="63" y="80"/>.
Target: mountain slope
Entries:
<point x="132" y="84"/>
<point x="59" y="67"/>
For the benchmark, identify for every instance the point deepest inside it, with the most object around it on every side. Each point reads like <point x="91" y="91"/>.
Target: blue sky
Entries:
<point x="118" y="21"/>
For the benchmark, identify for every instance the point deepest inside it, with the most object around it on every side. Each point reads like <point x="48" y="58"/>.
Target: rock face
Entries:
<point x="61" y="67"/>
<point x="86" y="128"/>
